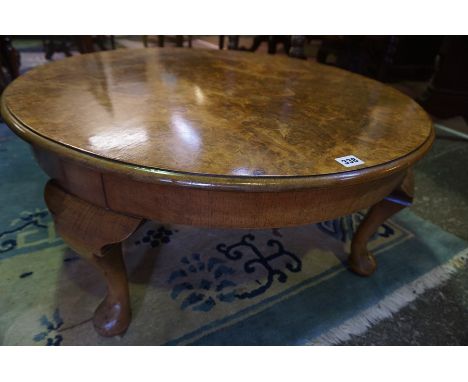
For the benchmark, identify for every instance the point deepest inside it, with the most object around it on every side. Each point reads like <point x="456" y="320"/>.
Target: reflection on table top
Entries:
<point x="217" y="112"/>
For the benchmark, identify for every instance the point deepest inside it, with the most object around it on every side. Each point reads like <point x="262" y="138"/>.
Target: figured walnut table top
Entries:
<point x="222" y="114"/>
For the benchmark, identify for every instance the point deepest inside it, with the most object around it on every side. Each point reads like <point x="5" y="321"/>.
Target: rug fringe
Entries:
<point x="392" y="303"/>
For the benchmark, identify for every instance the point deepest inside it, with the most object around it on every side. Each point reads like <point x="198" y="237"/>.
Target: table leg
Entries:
<point x="96" y="234"/>
<point x="361" y="261"/>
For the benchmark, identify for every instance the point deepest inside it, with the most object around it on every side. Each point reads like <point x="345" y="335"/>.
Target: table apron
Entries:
<point x="211" y="207"/>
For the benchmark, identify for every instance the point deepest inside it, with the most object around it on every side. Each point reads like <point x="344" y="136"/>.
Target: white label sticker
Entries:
<point x="349" y="161"/>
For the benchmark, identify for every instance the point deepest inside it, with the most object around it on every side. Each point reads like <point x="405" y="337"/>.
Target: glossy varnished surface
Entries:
<point x="229" y="114"/>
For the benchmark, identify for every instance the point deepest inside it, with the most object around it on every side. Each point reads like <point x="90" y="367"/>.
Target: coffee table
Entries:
<point x="211" y="138"/>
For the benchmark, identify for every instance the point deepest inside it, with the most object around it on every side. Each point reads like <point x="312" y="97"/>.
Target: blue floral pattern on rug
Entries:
<point x="155" y="237"/>
<point x="237" y="252"/>
<point x="344" y="228"/>
<point x="215" y="282"/>
<point x="213" y="278"/>
<point x="37" y="219"/>
<point x="50" y="334"/>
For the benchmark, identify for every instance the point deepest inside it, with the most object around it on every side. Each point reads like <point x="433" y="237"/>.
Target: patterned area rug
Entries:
<point x="286" y="286"/>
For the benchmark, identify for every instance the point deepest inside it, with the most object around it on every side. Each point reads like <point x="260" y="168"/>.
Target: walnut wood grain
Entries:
<point x="238" y="209"/>
<point x="211" y="207"/>
<point x="237" y="116"/>
<point x="96" y="234"/>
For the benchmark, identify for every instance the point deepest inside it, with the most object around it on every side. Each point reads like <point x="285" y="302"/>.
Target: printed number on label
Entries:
<point x="349" y="161"/>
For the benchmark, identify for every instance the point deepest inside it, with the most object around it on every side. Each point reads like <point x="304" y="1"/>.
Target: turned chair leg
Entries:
<point x="96" y="234"/>
<point x="361" y="261"/>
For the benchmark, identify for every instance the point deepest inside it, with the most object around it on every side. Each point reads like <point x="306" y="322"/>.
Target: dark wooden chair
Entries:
<point x="294" y="46"/>
<point x="447" y="93"/>
<point x="179" y="40"/>
<point x="233" y="42"/>
<point x="9" y="62"/>
<point x="385" y="58"/>
<point x="84" y="44"/>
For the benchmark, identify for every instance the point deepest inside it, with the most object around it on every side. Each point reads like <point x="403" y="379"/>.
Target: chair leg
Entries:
<point x="161" y="41"/>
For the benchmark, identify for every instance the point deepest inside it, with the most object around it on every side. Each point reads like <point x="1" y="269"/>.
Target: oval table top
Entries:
<point x="211" y="117"/>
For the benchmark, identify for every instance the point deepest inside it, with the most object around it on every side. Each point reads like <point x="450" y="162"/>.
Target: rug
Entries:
<point x="284" y="286"/>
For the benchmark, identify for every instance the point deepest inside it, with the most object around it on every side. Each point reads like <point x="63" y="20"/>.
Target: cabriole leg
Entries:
<point x="361" y="261"/>
<point x="96" y="234"/>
